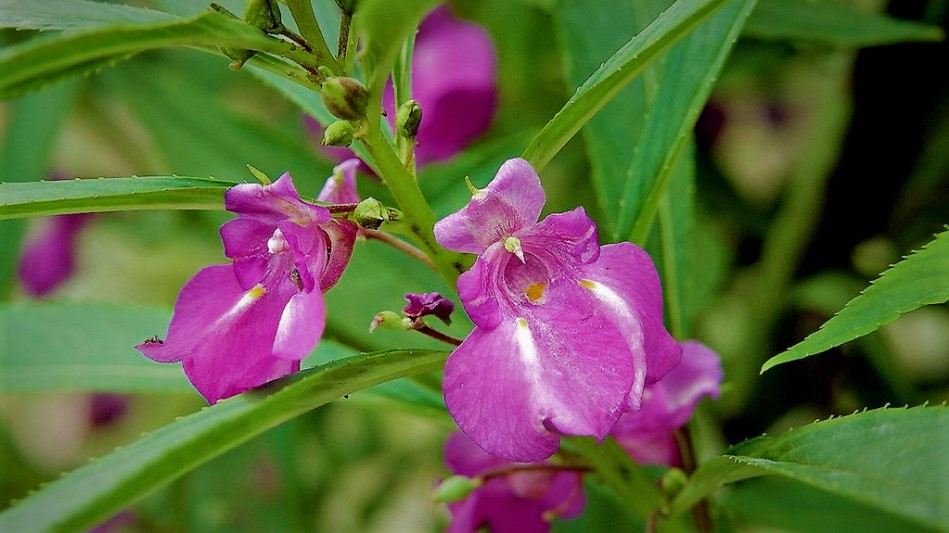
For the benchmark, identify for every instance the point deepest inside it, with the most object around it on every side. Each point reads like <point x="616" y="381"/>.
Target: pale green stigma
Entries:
<point x="513" y="245"/>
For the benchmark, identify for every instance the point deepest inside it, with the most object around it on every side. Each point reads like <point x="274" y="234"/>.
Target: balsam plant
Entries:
<point x="595" y="368"/>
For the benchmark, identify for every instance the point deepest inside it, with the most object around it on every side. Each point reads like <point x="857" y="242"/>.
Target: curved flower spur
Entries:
<point x="567" y="332"/>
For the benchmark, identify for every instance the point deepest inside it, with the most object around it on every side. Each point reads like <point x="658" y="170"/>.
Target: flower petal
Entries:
<point x="301" y="326"/>
<point x="479" y="290"/>
<point x="564" y="368"/>
<point x="273" y="203"/>
<point x="513" y="200"/>
<point x="341" y="235"/>
<point x="567" y="240"/>
<point x="634" y="293"/>
<point x="340" y="188"/>
<point x="225" y="335"/>
<point x="48" y="257"/>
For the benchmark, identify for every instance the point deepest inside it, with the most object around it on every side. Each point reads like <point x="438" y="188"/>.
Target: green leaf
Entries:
<point x="385" y="25"/>
<point x="782" y="504"/>
<point x="110" y="194"/>
<point x="72" y="14"/>
<point x="920" y="279"/>
<point x="586" y="37"/>
<point x="82" y="347"/>
<point x="684" y="80"/>
<point x="90" y="494"/>
<point x="676" y="217"/>
<point x="833" y="23"/>
<point x="890" y="459"/>
<point x="616" y="73"/>
<point x="36" y="62"/>
<point x="31" y="131"/>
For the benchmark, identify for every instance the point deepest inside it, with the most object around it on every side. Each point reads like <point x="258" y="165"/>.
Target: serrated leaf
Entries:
<point x="833" y="23"/>
<point x="920" y="279"/>
<point x="42" y="198"/>
<point x="29" y="65"/>
<point x="90" y="494"/>
<point x="891" y="459"/>
<point x="72" y="14"/>
<point x="616" y="73"/>
<point x="684" y="81"/>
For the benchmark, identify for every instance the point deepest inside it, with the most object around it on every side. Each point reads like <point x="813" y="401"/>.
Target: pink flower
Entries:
<point x="567" y="333"/>
<point x="241" y="325"/>
<point x="511" y="502"/>
<point x="453" y="79"/>
<point x="48" y="257"/>
<point x="428" y="303"/>
<point x="647" y="434"/>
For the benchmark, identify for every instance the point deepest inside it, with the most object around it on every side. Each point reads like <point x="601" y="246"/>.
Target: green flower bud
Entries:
<point x="238" y="55"/>
<point x="339" y="133"/>
<point x="673" y="481"/>
<point x="408" y="118"/>
<point x="370" y="213"/>
<point x="390" y="320"/>
<point x="265" y="14"/>
<point x="347" y="6"/>
<point x="456" y="488"/>
<point x="345" y="98"/>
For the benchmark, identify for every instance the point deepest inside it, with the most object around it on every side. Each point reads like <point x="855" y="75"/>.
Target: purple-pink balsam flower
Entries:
<point x="453" y="80"/>
<point x="647" y="434"/>
<point x="48" y="257"/>
<point x="454" y="70"/>
<point x="567" y="332"/>
<point x="510" y="502"/>
<point x="340" y="188"/>
<point x="238" y="326"/>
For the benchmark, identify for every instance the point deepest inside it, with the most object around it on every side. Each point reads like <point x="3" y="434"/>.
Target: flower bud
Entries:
<point x="673" y="481"/>
<point x="345" y="98"/>
<point x="408" y="118"/>
<point x="456" y="488"/>
<point x="390" y="320"/>
<point x="265" y="14"/>
<point x="339" y="133"/>
<point x="370" y="213"/>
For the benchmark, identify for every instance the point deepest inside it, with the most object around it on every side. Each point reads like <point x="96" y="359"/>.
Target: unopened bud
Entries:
<point x="408" y="118"/>
<point x="238" y="55"/>
<point x="339" y="133"/>
<point x="265" y="14"/>
<point x="345" y="98"/>
<point x="673" y="481"/>
<point x="390" y="320"/>
<point x="370" y="213"/>
<point x="456" y="488"/>
<point x="347" y="6"/>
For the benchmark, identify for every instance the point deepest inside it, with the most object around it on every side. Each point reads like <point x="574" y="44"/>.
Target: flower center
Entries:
<point x="277" y="243"/>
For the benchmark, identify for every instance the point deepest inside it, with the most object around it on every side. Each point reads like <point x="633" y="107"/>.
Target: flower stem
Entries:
<point x="437" y="335"/>
<point x="342" y="45"/>
<point x="302" y="12"/>
<point x="417" y="215"/>
<point x="400" y="245"/>
<point x="700" y="513"/>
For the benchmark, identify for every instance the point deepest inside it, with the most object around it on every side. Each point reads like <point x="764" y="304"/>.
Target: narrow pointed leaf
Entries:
<point x="93" y="493"/>
<point x="685" y="81"/>
<point x="920" y="279"/>
<point x="42" y="198"/>
<point x="616" y="73"/>
<point x="890" y="459"/>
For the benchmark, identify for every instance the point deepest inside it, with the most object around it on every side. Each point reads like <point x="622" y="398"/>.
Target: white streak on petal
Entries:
<point x="628" y="323"/>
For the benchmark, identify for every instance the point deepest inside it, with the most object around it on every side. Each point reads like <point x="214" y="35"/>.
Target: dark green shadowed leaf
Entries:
<point x="832" y="22"/>
<point x="890" y="459"/>
<point x="616" y="73"/>
<point x="920" y="279"/>
<point x="98" y="490"/>
<point x="72" y="14"/>
<point x="110" y="194"/>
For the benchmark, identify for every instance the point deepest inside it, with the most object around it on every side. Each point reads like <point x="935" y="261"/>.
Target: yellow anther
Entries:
<point x="535" y="292"/>
<point x="522" y="322"/>
<point x="587" y="284"/>
<point x="256" y="292"/>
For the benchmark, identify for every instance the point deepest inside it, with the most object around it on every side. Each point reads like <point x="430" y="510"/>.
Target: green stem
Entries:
<point x="302" y="12"/>
<point x="417" y="214"/>
<point x="342" y="44"/>
<point x="617" y="470"/>
<point x="352" y="39"/>
<point x="700" y="512"/>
